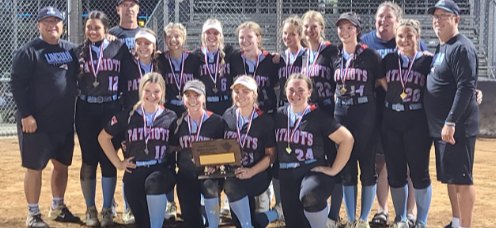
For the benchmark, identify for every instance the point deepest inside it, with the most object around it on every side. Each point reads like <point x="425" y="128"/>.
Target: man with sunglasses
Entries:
<point x="450" y="103"/>
<point x="43" y="81"/>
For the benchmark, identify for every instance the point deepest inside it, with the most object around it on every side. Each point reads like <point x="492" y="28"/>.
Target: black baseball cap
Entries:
<point x="351" y="17"/>
<point x="121" y="1"/>
<point x="447" y="5"/>
<point x="49" y="11"/>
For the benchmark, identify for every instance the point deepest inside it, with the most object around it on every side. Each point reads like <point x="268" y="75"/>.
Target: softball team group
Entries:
<point x="308" y="141"/>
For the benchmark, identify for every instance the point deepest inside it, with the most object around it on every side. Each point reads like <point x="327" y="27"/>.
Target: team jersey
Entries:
<point x="307" y="139"/>
<point x="109" y="65"/>
<point x="126" y="35"/>
<point x="211" y="127"/>
<point x="288" y="65"/>
<point x="176" y="73"/>
<point x="143" y="142"/>
<point x="217" y="79"/>
<point x="254" y="134"/>
<point x="413" y="79"/>
<point x="264" y="71"/>
<point x="450" y="91"/>
<point x="356" y="74"/>
<point x="133" y="79"/>
<point x="43" y="82"/>
<point x="318" y="66"/>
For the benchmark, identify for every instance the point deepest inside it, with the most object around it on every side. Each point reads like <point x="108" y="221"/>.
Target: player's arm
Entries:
<point x="381" y="82"/>
<point x="23" y="65"/>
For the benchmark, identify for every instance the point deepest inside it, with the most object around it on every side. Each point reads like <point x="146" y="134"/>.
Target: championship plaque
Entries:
<point x="223" y="154"/>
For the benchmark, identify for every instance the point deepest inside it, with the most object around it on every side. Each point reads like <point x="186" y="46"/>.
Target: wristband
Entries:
<point x="449" y="124"/>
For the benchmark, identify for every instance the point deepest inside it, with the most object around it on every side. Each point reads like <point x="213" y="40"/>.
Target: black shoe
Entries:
<point x="448" y="226"/>
<point x="62" y="214"/>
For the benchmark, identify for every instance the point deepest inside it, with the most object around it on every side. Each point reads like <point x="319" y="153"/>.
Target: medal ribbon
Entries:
<point x="256" y="66"/>
<point x="289" y="63"/>
<point x="95" y="72"/>
<point x="139" y="69"/>
<point x="238" y="129"/>
<point x="145" y="130"/>
<point x="216" y="68"/>
<point x="403" y="82"/>
<point x="297" y="123"/>
<point x="197" y="135"/>
<point x="314" y="60"/>
<point x="178" y="84"/>
<point x="348" y="63"/>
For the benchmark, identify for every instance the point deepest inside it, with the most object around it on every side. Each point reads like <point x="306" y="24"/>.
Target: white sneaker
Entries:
<point x="107" y="217"/>
<point x="350" y="224"/>
<point x="262" y="202"/>
<point x="114" y="208"/>
<point x="171" y="211"/>
<point x="92" y="216"/>
<point x="35" y="221"/>
<point x="362" y="224"/>
<point x="128" y="217"/>
<point x="280" y="213"/>
<point x="332" y="224"/>
<point x="225" y="210"/>
<point x="401" y="224"/>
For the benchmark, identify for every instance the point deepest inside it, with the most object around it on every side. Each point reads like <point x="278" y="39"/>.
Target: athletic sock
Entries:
<point x="156" y="208"/>
<point x="108" y="190"/>
<point x="212" y="210"/>
<point x="57" y="201"/>
<point x="33" y="208"/>
<point x="399" y="196"/>
<point x="89" y="190"/>
<point x="455" y="222"/>
<point x="368" y="198"/>
<point x="317" y="219"/>
<point x="170" y="196"/>
<point x="350" y="195"/>
<point x="242" y="210"/>
<point x="336" y="201"/>
<point x="423" y="198"/>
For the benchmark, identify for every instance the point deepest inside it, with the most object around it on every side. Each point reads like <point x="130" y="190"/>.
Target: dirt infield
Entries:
<point x="13" y="206"/>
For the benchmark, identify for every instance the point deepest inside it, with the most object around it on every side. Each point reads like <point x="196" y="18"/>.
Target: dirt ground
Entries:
<point x="13" y="206"/>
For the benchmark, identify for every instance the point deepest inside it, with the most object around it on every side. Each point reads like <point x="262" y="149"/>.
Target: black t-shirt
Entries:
<point x="212" y="128"/>
<point x="220" y="92"/>
<point x="321" y="72"/>
<point x="126" y="35"/>
<point x="43" y="82"/>
<point x="114" y="67"/>
<point x="363" y="71"/>
<point x="286" y="68"/>
<point x="415" y="81"/>
<point x="265" y="75"/>
<point x="260" y="134"/>
<point x="159" y="133"/>
<point x="307" y="140"/>
<point x="450" y="91"/>
<point x="191" y="70"/>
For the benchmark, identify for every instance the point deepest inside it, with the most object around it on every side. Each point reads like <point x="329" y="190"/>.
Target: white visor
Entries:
<point x="245" y="82"/>
<point x="147" y="36"/>
<point x="211" y="25"/>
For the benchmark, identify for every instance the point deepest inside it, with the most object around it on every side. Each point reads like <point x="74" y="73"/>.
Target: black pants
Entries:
<point x="360" y="121"/>
<point x="237" y="189"/>
<point x="153" y="180"/>
<point x="303" y="190"/>
<point x="189" y="190"/>
<point x="406" y="143"/>
<point x="90" y="120"/>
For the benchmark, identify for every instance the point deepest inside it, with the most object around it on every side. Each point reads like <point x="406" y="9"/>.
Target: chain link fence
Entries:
<point x="19" y="25"/>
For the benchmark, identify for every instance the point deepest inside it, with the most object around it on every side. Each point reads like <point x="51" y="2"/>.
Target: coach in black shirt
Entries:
<point x="43" y="83"/>
<point x="450" y="103"/>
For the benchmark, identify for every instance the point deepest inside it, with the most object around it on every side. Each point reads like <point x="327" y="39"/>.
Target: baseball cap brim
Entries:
<point x="352" y="20"/>
<point x="47" y="16"/>
<point x="121" y="1"/>
<point x="433" y="9"/>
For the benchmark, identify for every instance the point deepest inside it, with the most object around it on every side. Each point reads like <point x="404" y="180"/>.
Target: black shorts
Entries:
<point x="38" y="148"/>
<point x="454" y="163"/>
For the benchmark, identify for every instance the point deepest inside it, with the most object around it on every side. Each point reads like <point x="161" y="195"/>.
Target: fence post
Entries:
<point x="176" y="10"/>
<point x="279" y="26"/>
<point x="74" y="8"/>
<point x="16" y="26"/>
<point x="492" y="43"/>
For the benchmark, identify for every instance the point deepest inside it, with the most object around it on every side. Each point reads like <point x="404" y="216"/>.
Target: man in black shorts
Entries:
<point x="450" y="103"/>
<point x="43" y="81"/>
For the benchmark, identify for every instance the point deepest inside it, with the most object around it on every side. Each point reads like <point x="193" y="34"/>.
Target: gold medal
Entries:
<point x="146" y="151"/>
<point x="96" y="83"/>
<point x="403" y="95"/>
<point x="288" y="149"/>
<point x="343" y="90"/>
<point x="179" y="97"/>
<point x="215" y="90"/>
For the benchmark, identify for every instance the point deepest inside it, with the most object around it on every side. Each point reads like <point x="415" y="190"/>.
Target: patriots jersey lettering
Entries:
<point x="186" y="140"/>
<point x="353" y="74"/>
<point x="156" y="133"/>
<point x="107" y="64"/>
<point x="414" y="77"/>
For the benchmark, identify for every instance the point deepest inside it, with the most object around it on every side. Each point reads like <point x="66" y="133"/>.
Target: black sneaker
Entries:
<point x="62" y="214"/>
<point x="449" y="226"/>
